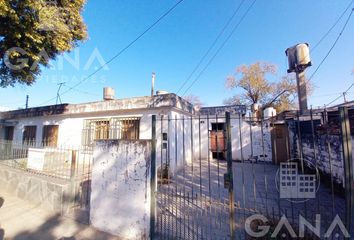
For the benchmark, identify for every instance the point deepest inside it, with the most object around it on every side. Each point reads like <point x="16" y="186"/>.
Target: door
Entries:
<point x="280" y="143"/>
<point x="217" y="139"/>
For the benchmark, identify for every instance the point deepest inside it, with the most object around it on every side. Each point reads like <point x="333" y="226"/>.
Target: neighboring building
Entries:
<point x="320" y="135"/>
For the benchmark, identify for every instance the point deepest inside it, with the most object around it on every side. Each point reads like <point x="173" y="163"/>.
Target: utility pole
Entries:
<point x="302" y="91"/>
<point x="27" y="98"/>
<point x="58" y="93"/>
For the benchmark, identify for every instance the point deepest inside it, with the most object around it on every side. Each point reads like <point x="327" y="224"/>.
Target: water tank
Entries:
<point x="269" y="112"/>
<point x="291" y="54"/>
<point x="298" y="57"/>
<point x="108" y="93"/>
<point x="254" y="107"/>
<point x="161" y="92"/>
<point x="303" y="54"/>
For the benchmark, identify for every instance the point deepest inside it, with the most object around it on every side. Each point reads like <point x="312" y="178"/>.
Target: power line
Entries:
<point x="333" y="45"/>
<point x="221" y="47"/>
<point x="328" y="95"/>
<point x="313" y="49"/>
<point x="340" y="96"/>
<point x="333" y="26"/>
<point x="122" y="50"/>
<point x="321" y="40"/>
<point x="212" y="45"/>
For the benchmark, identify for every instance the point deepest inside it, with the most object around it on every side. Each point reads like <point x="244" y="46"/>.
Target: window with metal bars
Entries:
<point x="50" y="135"/>
<point x="114" y="128"/>
<point x="29" y="134"/>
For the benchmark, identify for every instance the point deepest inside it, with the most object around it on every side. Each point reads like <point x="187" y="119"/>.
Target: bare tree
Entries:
<point x="257" y="88"/>
<point x="195" y="100"/>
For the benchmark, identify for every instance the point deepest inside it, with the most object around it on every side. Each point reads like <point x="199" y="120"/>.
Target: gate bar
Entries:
<point x="153" y="178"/>
<point x="348" y="165"/>
<point x="230" y="176"/>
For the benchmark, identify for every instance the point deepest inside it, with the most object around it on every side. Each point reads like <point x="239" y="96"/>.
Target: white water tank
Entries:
<point x="108" y="93"/>
<point x="298" y="57"/>
<point x="254" y="107"/>
<point x="303" y="54"/>
<point x="269" y="112"/>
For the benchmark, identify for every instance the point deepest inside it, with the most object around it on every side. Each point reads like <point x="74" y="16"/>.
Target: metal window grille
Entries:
<point x="114" y="128"/>
<point x="50" y="135"/>
<point x="29" y="134"/>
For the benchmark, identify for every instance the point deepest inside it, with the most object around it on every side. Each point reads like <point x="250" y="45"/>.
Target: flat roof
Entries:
<point x="145" y="102"/>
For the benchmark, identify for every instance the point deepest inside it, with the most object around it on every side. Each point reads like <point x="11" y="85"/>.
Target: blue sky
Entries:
<point x="174" y="47"/>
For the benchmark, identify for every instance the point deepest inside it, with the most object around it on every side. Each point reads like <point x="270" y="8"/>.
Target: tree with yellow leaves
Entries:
<point x="257" y="88"/>
<point x="32" y="32"/>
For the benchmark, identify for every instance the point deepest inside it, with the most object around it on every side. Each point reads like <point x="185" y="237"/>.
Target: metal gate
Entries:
<point x="218" y="177"/>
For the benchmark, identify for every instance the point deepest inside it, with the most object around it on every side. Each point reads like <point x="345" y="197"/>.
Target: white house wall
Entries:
<point x="259" y="149"/>
<point x="252" y="147"/>
<point x="71" y="126"/>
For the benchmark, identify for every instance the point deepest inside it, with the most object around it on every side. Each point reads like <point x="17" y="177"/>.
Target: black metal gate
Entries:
<point x="220" y="177"/>
<point x="192" y="201"/>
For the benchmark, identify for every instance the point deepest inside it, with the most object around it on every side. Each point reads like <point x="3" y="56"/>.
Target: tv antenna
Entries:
<point x="58" y="93"/>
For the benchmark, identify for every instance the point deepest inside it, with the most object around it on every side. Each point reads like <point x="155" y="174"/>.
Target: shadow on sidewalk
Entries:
<point x="2" y="231"/>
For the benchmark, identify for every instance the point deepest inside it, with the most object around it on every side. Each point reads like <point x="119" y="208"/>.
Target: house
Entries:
<point x="183" y="130"/>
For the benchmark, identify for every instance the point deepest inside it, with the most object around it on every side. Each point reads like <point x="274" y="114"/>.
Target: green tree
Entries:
<point x="257" y="88"/>
<point x="33" y="32"/>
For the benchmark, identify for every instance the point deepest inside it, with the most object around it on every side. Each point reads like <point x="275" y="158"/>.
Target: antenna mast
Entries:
<point x="58" y="93"/>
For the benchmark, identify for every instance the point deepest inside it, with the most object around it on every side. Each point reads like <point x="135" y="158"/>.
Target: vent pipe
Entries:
<point x="153" y="84"/>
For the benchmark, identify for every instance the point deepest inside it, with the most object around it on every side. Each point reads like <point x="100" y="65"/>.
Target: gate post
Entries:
<point x="73" y="175"/>
<point x="348" y="166"/>
<point x="153" y="178"/>
<point x="230" y="176"/>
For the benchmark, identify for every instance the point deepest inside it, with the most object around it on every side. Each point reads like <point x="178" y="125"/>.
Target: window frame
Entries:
<point x="29" y="130"/>
<point x="116" y="129"/>
<point x="47" y="129"/>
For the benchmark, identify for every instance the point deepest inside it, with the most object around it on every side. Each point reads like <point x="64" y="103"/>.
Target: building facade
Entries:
<point x="183" y="133"/>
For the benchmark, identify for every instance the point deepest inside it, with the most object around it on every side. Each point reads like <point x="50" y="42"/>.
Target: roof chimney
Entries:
<point x="108" y="93"/>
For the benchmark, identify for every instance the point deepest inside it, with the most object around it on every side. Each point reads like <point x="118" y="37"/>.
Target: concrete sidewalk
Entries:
<point x="20" y="220"/>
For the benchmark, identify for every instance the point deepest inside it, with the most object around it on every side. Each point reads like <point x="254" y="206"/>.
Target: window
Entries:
<point x="218" y="126"/>
<point x="128" y="129"/>
<point x="29" y="134"/>
<point x="9" y="133"/>
<point x="101" y="130"/>
<point x="50" y="135"/>
<point x="115" y="128"/>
